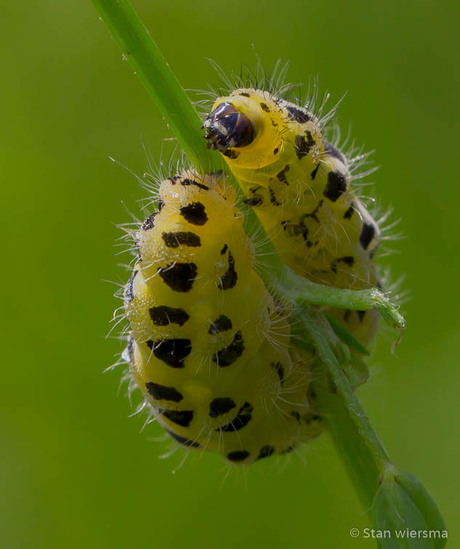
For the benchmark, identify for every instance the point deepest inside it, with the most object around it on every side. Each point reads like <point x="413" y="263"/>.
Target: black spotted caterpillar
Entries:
<point x="300" y="187"/>
<point x="207" y="341"/>
<point x="209" y="346"/>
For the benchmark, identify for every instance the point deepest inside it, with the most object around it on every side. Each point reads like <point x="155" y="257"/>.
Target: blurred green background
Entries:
<point x="74" y="470"/>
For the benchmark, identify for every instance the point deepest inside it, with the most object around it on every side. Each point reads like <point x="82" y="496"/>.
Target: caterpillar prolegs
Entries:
<point x="209" y="346"/>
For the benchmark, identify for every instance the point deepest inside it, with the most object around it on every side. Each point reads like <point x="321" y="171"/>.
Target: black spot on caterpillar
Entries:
<point x="239" y="455"/>
<point x="194" y="213"/>
<point x="367" y="234"/>
<point x="172" y="352"/>
<point x="179" y="276"/>
<point x="220" y="406"/>
<point x="179" y="417"/>
<point x="243" y="417"/>
<point x="266" y="451"/>
<point x="229" y="354"/>
<point x="174" y="240"/>
<point x="160" y="392"/>
<point x="336" y="186"/>
<point x="221" y="324"/>
<point x="229" y="278"/>
<point x="163" y="315"/>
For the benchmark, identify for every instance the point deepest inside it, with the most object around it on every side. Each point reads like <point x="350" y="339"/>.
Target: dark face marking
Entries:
<point x="281" y="176"/>
<point x="303" y="145"/>
<point x="229" y="278"/>
<point x="161" y="204"/>
<point x="224" y="249"/>
<point x="149" y="223"/>
<point x="179" y="417"/>
<point x="266" y="451"/>
<point x="330" y="150"/>
<point x="243" y="417"/>
<point x="349" y="212"/>
<point x="227" y="127"/>
<point x="220" y="406"/>
<point x="194" y="213"/>
<point x="184" y="441"/>
<point x="264" y="107"/>
<point x="228" y="355"/>
<point x="279" y="370"/>
<point x="174" y="240"/>
<point x="275" y="151"/>
<point x="273" y="199"/>
<point x="129" y="291"/>
<point x="163" y="315"/>
<point x="238" y="455"/>
<point x="367" y="234"/>
<point x="314" y="172"/>
<point x="336" y="186"/>
<point x="245" y="94"/>
<point x="172" y="352"/>
<point x="161" y="392"/>
<point x="179" y="276"/>
<point x="297" y="114"/>
<point x="221" y="324"/>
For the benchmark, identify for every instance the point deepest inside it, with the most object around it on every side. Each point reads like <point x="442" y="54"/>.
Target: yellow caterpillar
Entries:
<point x="300" y="187"/>
<point x="209" y="346"/>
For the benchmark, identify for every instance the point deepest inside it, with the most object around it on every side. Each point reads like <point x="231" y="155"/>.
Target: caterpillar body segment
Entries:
<point x="300" y="187"/>
<point x="209" y="346"/>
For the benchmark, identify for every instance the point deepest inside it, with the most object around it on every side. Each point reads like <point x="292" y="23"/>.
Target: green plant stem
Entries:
<point x="364" y="456"/>
<point x="147" y="61"/>
<point x="357" y="443"/>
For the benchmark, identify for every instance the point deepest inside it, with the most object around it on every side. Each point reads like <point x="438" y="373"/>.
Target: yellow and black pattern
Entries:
<point x="209" y="346"/>
<point x="300" y="187"/>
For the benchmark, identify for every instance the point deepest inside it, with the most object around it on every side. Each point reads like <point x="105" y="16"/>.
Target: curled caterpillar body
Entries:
<point x="209" y="346"/>
<point x="300" y="187"/>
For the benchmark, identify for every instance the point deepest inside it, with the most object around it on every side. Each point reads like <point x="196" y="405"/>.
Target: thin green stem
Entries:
<point x="363" y="454"/>
<point x="147" y="61"/>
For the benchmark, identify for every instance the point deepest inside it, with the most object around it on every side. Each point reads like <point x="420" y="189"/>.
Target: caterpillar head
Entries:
<point x="246" y="127"/>
<point x="249" y="127"/>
